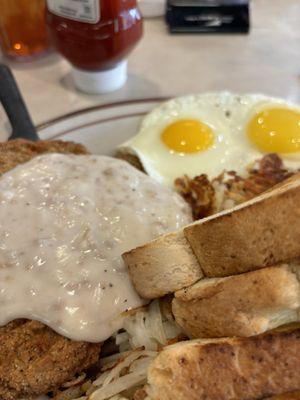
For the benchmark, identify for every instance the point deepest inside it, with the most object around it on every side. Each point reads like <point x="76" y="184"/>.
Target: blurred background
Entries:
<point x="181" y="51"/>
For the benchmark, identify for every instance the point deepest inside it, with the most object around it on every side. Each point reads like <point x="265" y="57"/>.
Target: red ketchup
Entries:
<point x="95" y="36"/>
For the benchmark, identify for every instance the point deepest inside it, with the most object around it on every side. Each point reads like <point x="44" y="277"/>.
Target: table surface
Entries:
<point x="267" y="60"/>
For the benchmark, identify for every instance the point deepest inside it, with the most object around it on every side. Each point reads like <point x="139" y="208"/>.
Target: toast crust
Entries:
<point x="231" y="369"/>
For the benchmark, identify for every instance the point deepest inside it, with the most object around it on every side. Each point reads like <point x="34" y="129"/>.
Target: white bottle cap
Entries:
<point x="152" y="8"/>
<point x="100" y="81"/>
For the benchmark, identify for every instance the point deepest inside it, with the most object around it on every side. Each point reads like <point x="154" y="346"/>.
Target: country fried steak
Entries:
<point x="33" y="358"/>
<point x="20" y="151"/>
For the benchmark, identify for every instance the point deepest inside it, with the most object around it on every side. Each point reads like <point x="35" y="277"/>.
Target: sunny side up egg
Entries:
<point x="213" y="132"/>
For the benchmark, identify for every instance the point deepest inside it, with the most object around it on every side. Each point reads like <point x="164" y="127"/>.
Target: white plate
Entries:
<point x="100" y="128"/>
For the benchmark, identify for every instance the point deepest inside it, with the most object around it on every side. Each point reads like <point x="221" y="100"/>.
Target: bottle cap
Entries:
<point x="97" y="82"/>
<point x="152" y="8"/>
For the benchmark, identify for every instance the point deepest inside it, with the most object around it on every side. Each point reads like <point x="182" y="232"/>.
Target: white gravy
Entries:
<point x="64" y="222"/>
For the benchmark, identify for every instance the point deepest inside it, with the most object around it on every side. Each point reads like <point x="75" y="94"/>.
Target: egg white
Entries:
<point x="225" y="113"/>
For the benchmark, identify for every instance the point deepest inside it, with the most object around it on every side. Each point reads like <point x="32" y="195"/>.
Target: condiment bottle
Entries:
<point x="95" y="36"/>
<point x="23" y="31"/>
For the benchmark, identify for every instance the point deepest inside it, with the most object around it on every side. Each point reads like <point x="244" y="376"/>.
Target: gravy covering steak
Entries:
<point x="65" y="221"/>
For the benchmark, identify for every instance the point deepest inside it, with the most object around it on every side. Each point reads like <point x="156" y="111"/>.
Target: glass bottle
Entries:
<point x="95" y="36"/>
<point x="23" y="32"/>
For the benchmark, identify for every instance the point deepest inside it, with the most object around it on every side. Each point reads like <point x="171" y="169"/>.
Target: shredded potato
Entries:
<point x="145" y="331"/>
<point x="207" y="197"/>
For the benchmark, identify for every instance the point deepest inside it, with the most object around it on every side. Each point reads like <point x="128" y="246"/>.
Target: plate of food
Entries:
<point x="150" y="251"/>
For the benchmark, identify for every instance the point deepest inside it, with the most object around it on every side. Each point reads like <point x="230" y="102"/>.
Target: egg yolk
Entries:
<point x="275" y="130"/>
<point x="188" y="136"/>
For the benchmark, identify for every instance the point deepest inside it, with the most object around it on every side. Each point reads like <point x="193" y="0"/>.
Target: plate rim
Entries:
<point x="53" y="121"/>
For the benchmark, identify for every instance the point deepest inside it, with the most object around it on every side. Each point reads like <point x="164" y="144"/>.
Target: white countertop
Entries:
<point x="267" y="60"/>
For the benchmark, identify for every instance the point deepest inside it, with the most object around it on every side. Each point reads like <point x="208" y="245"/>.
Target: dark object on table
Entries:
<point x="208" y="16"/>
<point x="14" y="106"/>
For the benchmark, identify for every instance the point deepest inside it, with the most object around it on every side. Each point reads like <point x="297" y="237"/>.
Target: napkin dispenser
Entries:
<point x="208" y="16"/>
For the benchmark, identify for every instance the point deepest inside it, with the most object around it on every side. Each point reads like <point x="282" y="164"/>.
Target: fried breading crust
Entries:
<point x="20" y="151"/>
<point x="33" y="358"/>
<point x="286" y="396"/>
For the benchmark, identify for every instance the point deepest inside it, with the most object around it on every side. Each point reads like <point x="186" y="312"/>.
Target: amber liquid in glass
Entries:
<point x="23" y="31"/>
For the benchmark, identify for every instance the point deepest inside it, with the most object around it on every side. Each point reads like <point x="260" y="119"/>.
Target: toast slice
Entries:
<point x="240" y="305"/>
<point x="230" y="368"/>
<point x="163" y="266"/>
<point x="262" y="232"/>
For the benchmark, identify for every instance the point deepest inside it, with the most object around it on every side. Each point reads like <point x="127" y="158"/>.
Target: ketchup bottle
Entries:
<point x="95" y="36"/>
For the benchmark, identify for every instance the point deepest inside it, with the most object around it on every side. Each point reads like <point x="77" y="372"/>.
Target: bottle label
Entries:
<point x="78" y="10"/>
